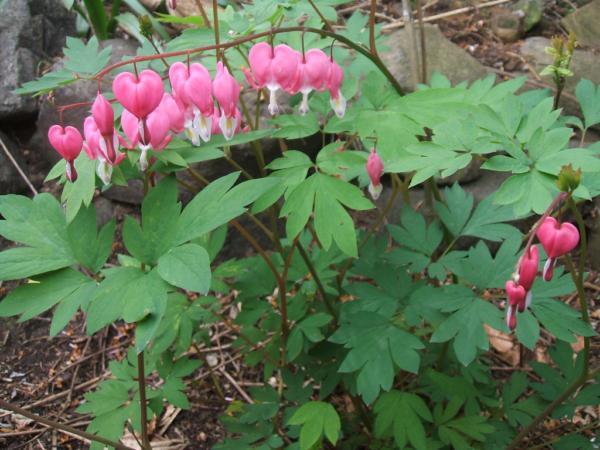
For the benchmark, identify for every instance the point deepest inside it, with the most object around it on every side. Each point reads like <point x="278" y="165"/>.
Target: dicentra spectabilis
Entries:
<point x="95" y="148"/>
<point x="375" y="170"/>
<point x="334" y="84"/>
<point x="516" y="297"/>
<point x="226" y="91"/>
<point x="140" y="95"/>
<point x="175" y="110"/>
<point x="104" y="118"/>
<point x="528" y="269"/>
<point x="273" y="68"/>
<point x="193" y="87"/>
<point x="68" y="142"/>
<point x="157" y="124"/>
<point x="558" y="239"/>
<point x="172" y="4"/>
<point x="313" y="74"/>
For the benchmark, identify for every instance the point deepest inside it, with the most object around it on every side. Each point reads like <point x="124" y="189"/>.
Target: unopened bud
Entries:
<point x="568" y="178"/>
<point x="146" y="27"/>
<point x="172" y="4"/>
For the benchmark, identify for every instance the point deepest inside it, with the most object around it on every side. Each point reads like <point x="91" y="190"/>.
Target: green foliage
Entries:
<point x="346" y="329"/>
<point x="317" y="419"/>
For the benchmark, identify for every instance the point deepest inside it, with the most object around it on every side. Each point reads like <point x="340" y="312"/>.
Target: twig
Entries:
<point x="19" y="170"/>
<point x="236" y="386"/>
<point x="454" y="12"/>
<point x="372" y="45"/>
<point x="62" y="427"/>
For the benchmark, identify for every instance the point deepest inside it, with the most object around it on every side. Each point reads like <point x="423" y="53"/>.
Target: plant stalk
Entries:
<point x="143" y="402"/>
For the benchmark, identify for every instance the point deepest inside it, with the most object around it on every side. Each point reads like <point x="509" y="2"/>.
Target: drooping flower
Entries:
<point x="68" y="142"/>
<point x="273" y="68"/>
<point x="193" y="87"/>
<point x="226" y="91"/>
<point x="334" y="84"/>
<point x="313" y="74"/>
<point x="104" y="118"/>
<point x="558" y="239"/>
<point x="175" y="110"/>
<point x="140" y="95"/>
<point x="516" y="296"/>
<point x="375" y="170"/>
<point x="157" y="124"/>
<point x="528" y="269"/>
<point x="94" y="146"/>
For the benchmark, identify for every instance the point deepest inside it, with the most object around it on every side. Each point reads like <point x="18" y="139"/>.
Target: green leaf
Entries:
<point x="485" y="222"/>
<point x="39" y="225"/>
<point x="131" y="294"/>
<point x="295" y="126"/>
<point x="187" y="267"/>
<point x="401" y="414"/>
<point x="97" y="16"/>
<point x="588" y="97"/>
<point x="417" y="240"/>
<point x="318" y="419"/>
<point x="90" y="248"/>
<point x="376" y="345"/>
<point x="309" y="329"/>
<point x="37" y="296"/>
<point x="81" y="192"/>
<point x="49" y="82"/>
<point x="160" y="217"/>
<point x="85" y="59"/>
<point x="465" y="324"/>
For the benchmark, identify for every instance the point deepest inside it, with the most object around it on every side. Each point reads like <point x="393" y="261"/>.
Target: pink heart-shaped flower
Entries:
<point x="528" y="267"/>
<point x="557" y="238"/>
<point x="103" y="114"/>
<point x="226" y="90"/>
<point x="66" y="141"/>
<point x="139" y="95"/>
<point x="516" y="293"/>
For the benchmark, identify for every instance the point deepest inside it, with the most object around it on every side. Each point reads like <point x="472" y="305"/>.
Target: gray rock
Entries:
<point x="585" y="23"/>
<point x="133" y="194"/>
<point x="80" y="91"/>
<point x="10" y="180"/>
<point x="30" y="31"/>
<point x="442" y="56"/>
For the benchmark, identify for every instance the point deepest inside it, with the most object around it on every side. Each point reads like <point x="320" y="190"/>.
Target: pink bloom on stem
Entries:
<point x="216" y="119"/>
<point x="104" y="117"/>
<point x="226" y="91"/>
<point x="313" y="74"/>
<point x="528" y="269"/>
<point x="193" y="87"/>
<point x="139" y="95"/>
<point x="157" y="124"/>
<point x="558" y="239"/>
<point x="273" y="68"/>
<point x="95" y="148"/>
<point x="175" y="110"/>
<point x="68" y="142"/>
<point x="516" y="297"/>
<point x="172" y="4"/>
<point x="375" y="170"/>
<point x="334" y="84"/>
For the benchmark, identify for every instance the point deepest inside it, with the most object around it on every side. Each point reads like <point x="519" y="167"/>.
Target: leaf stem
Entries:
<point x="143" y="402"/>
<point x="341" y="38"/>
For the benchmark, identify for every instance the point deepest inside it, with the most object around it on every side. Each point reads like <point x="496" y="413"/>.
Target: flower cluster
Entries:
<point x="557" y="239"/>
<point x="151" y="116"/>
<point x="283" y="68"/>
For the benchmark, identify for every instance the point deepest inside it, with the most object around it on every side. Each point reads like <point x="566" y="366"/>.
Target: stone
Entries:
<point x="80" y="91"/>
<point x="30" y="31"/>
<point x="10" y="180"/>
<point x="585" y="23"/>
<point x="507" y="25"/>
<point x="186" y="8"/>
<point x="132" y="194"/>
<point x="530" y="12"/>
<point x="442" y="56"/>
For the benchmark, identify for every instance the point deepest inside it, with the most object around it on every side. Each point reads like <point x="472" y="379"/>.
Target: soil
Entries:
<point x="53" y="374"/>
